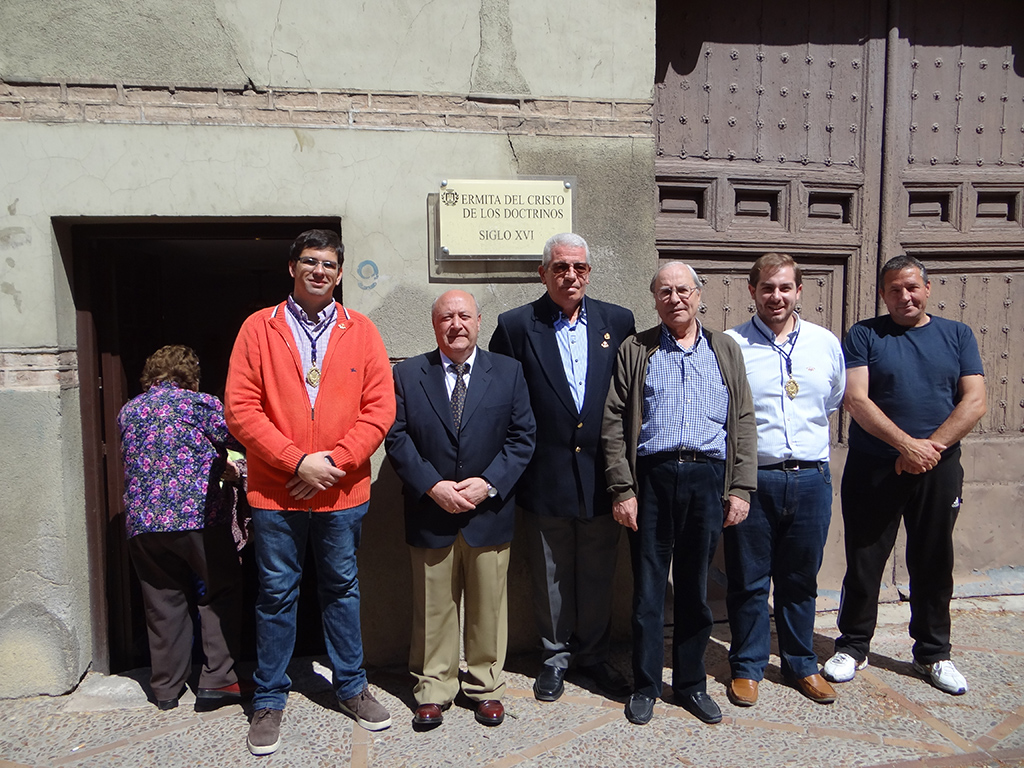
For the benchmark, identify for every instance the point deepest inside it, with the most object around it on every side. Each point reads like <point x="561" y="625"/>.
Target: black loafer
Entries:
<point x="549" y="684"/>
<point x="639" y="709"/>
<point x="701" y="706"/>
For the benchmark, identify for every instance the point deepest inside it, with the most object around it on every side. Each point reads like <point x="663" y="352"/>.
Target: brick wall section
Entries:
<point x="353" y="110"/>
<point x="38" y="369"/>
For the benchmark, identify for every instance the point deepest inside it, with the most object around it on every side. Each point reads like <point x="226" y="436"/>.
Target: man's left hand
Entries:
<point x="736" y="510"/>
<point x="472" y="489"/>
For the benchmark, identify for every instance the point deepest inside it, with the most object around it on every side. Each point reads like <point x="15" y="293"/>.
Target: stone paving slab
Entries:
<point x="887" y="716"/>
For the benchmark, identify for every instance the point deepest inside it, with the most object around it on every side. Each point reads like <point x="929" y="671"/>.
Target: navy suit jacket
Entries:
<point x="566" y="476"/>
<point x="495" y="442"/>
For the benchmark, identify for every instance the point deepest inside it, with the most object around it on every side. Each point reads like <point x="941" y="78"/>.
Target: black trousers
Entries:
<point x="875" y="499"/>
<point x="167" y="564"/>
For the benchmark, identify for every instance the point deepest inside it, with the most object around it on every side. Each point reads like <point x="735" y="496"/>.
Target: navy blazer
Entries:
<point x="495" y="442"/>
<point x="566" y="476"/>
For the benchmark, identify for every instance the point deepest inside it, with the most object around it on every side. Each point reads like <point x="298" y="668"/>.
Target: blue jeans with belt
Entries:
<point x="280" y="550"/>
<point x="679" y="521"/>
<point x="782" y="539"/>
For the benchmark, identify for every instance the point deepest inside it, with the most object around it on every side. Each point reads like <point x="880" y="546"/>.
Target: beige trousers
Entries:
<point x="441" y="578"/>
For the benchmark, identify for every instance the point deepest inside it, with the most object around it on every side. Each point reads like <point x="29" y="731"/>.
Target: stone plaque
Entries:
<point x="501" y="219"/>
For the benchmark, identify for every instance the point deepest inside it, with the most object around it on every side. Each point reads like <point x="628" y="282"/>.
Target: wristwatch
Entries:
<point x="491" y="491"/>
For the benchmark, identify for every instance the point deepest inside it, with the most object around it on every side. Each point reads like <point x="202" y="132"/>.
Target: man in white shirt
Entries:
<point x="797" y="378"/>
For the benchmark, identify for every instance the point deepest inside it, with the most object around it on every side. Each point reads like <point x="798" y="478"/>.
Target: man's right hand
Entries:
<point x="624" y="513"/>
<point x="918" y="455"/>
<point x="314" y="474"/>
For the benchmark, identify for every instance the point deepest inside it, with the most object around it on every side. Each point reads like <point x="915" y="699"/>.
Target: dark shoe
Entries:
<point x="366" y="710"/>
<point x="606" y="678"/>
<point x="209" y="699"/>
<point x="639" y="709"/>
<point x="742" y="692"/>
<point x="549" y="684"/>
<point x="167" y="704"/>
<point x="490" y="712"/>
<point x="428" y="716"/>
<point x="815" y="688"/>
<point x="265" y="731"/>
<point x="701" y="706"/>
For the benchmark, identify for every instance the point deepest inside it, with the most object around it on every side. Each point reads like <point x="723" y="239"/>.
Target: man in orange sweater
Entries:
<point x="310" y="395"/>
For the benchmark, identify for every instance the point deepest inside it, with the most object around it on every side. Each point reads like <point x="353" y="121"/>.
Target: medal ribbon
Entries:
<point x="787" y="356"/>
<point x="327" y="322"/>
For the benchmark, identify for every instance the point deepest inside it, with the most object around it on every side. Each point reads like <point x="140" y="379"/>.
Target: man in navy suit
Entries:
<point x="463" y="434"/>
<point x="567" y="345"/>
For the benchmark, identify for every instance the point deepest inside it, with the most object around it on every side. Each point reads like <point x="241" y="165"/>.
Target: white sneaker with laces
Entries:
<point x="943" y="675"/>
<point x="842" y="667"/>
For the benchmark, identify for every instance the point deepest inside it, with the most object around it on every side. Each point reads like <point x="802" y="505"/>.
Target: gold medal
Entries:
<point x="791" y="387"/>
<point x="313" y="376"/>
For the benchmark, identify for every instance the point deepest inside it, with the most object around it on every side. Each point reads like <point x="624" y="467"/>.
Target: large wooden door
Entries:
<point x="846" y="133"/>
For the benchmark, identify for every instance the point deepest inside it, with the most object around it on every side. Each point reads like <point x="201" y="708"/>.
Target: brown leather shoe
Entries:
<point x="742" y="692"/>
<point x="816" y="688"/>
<point x="428" y="715"/>
<point x="490" y="712"/>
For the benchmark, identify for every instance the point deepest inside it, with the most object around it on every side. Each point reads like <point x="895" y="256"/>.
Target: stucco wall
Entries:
<point x="104" y="156"/>
<point x="604" y="49"/>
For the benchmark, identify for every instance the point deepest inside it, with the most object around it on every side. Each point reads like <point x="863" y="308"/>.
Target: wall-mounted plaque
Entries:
<point x="501" y="219"/>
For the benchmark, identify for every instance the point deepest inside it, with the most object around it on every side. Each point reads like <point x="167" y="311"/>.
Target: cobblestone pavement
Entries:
<point x="887" y="716"/>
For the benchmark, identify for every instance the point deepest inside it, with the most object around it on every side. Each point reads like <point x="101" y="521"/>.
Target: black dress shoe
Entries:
<point x="490" y="712"/>
<point x="701" y="706"/>
<point x="549" y="684"/>
<point x="166" y="704"/>
<point x="606" y="678"/>
<point x="639" y="709"/>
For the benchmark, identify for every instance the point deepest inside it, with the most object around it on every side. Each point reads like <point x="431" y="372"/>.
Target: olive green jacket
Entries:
<point x="623" y="414"/>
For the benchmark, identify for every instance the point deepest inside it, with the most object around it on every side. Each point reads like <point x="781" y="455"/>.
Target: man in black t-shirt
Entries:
<point x="914" y="387"/>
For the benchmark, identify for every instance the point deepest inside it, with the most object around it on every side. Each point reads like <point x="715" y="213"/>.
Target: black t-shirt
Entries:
<point x="913" y="373"/>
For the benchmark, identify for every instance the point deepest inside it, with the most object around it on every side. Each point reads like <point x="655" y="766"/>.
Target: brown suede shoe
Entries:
<point x="815" y="688"/>
<point x="742" y="692"/>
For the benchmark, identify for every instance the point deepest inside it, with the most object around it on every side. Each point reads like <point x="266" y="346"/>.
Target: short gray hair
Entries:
<point x="667" y="264"/>
<point x="570" y="239"/>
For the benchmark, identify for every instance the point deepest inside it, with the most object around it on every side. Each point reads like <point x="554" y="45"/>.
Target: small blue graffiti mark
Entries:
<point x="367" y="273"/>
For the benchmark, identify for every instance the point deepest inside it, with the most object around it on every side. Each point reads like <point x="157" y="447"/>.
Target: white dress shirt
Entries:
<point x="798" y="428"/>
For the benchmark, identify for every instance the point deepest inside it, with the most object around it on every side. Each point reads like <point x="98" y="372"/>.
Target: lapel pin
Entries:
<point x="607" y="335"/>
<point x="604" y="344"/>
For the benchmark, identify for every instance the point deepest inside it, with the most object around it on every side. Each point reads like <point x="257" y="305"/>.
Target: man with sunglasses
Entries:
<point x="310" y="395"/>
<point x="566" y="342"/>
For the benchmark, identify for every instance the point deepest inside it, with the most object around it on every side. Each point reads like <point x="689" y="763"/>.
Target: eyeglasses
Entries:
<point x="682" y="291"/>
<point x="562" y="267"/>
<point x="309" y="261"/>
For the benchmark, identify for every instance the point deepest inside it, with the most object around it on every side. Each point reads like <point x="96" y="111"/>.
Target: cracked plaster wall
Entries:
<point x="599" y="49"/>
<point x="378" y="182"/>
<point x="44" y="600"/>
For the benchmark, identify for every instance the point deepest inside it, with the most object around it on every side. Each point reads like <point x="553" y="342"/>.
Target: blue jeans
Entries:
<point x="280" y="551"/>
<point x="679" y="521"/>
<point x="782" y="539"/>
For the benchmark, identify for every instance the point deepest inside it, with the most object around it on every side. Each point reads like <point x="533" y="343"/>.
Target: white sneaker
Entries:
<point x="842" y="667"/>
<point x="943" y="675"/>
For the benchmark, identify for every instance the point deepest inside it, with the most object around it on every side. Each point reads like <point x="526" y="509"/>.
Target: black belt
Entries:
<point x="682" y="456"/>
<point x="791" y="465"/>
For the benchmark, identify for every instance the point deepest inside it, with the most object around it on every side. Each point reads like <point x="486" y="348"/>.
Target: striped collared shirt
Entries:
<point x="309" y="333"/>
<point x="685" y="399"/>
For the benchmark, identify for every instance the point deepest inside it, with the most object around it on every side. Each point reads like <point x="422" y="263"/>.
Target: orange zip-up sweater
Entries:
<point x="268" y="410"/>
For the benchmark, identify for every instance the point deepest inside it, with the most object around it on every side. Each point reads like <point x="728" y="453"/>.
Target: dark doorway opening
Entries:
<point x="137" y="285"/>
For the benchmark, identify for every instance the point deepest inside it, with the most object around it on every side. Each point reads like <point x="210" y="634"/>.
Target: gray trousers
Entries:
<point x="167" y="565"/>
<point x="572" y="566"/>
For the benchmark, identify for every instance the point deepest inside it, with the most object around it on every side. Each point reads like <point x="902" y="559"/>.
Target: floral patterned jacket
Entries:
<point x="173" y="444"/>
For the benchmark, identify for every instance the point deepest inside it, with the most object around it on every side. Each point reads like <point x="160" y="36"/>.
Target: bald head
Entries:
<point x="456" y="319"/>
